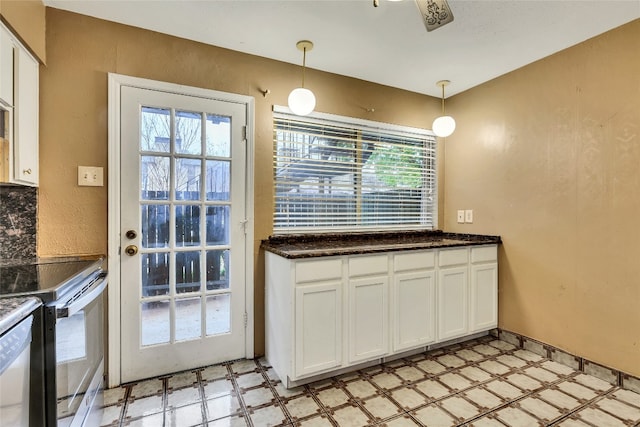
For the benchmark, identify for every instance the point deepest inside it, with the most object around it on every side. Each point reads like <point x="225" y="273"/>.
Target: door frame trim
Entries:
<point x="115" y="82"/>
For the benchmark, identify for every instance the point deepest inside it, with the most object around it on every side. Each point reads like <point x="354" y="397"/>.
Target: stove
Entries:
<point x="71" y="338"/>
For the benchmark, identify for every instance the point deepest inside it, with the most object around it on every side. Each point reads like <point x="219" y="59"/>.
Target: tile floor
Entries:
<point x="485" y="382"/>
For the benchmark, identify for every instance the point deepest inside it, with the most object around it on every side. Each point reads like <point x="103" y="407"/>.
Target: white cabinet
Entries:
<point x="19" y="94"/>
<point x="453" y="293"/>
<point x="484" y="289"/>
<point x="414" y="307"/>
<point x="329" y="313"/>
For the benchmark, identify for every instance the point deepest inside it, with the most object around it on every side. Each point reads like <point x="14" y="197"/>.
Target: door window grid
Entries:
<point x="181" y="216"/>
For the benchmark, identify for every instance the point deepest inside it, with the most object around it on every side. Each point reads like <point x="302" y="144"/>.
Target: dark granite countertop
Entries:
<point x="316" y="245"/>
<point x="13" y="310"/>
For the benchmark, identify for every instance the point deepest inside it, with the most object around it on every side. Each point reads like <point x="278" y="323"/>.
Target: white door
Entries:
<point x="183" y="165"/>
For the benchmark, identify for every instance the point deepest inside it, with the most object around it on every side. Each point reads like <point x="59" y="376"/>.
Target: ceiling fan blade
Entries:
<point x="435" y="13"/>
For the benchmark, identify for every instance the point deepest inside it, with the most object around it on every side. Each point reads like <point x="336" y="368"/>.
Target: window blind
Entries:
<point x="337" y="173"/>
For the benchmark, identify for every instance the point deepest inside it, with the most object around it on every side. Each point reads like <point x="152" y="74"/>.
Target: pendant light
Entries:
<point x="301" y="100"/>
<point x="444" y="125"/>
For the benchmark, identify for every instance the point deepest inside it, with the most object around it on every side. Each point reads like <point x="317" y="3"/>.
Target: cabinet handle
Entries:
<point x="27" y="171"/>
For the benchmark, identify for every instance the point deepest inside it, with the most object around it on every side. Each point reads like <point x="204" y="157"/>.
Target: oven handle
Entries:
<point x="91" y="294"/>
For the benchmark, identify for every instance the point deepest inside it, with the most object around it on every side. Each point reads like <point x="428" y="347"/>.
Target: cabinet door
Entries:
<point x="368" y="318"/>
<point x="318" y="328"/>
<point x="415" y="309"/>
<point x="26" y="119"/>
<point x="452" y="302"/>
<point x="484" y="297"/>
<point x="6" y="67"/>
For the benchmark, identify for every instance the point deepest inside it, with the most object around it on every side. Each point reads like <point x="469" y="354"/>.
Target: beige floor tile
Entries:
<point x="540" y="409"/>
<point x="460" y="408"/>
<point x="482" y="398"/>
<point x="455" y="381"/>
<point x="250" y="379"/>
<point x="593" y="382"/>
<point x="302" y="406"/>
<point x="268" y="417"/>
<point x="525" y="382"/>
<point x="408" y="398"/>
<point x="576" y="390"/>
<point x="514" y="417"/>
<point x="258" y="396"/>
<point x="628" y="396"/>
<point x="431" y="367"/>
<point x="599" y="418"/>
<point x="433" y="416"/>
<point x="558" y="368"/>
<point x="183" y="379"/>
<point x="110" y="415"/>
<point x="409" y="373"/>
<point x="559" y="399"/>
<point x="386" y="380"/>
<point x="528" y="355"/>
<point x="486" y="422"/>
<point x="470" y="355"/>
<point x="475" y="374"/>
<point x="404" y="421"/>
<point x="502" y="345"/>
<point x="361" y="389"/>
<point x="573" y="423"/>
<point x="511" y="361"/>
<point x="333" y="397"/>
<point x="451" y="361"/>
<point x="381" y="407"/>
<point x="185" y="416"/>
<point x="541" y="375"/>
<point x="147" y="388"/>
<point x="350" y="417"/>
<point x="216" y="388"/>
<point x="144" y="406"/>
<point x="485" y="349"/>
<point x="319" y="421"/>
<point x="244" y="365"/>
<point x="183" y="396"/>
<point x="214" y="372"/>
<point x="494" y="367"/>
<point x="150" y="421"/>
<point x="113" y="395"/>
<point x="619" y="409"/>
<point x="232" y="421"/>
<point x="222" y="406"/>
<point x="288" y="392"/>
<point x="504" y="389"/>
<point x="432" y="389"/>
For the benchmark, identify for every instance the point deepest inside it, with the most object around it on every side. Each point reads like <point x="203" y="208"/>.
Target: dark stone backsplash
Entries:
<point x="18" y="217"/>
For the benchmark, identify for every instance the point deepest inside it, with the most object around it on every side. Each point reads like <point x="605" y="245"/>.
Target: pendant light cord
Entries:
<point x="443" y="99"/>
<point x="304" y="62"/>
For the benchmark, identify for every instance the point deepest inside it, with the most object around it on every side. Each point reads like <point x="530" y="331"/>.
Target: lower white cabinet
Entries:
<point x="328" y="313"/>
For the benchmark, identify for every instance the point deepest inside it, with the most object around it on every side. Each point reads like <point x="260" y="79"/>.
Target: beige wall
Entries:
<point x="27" y="19"/>
<point x="548" y="157"/>
<point x="73" y="95"/>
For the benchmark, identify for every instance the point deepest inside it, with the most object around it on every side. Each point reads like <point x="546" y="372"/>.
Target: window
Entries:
<point x="335" y="173"/>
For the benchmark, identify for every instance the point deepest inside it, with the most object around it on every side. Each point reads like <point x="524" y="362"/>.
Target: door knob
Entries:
<point x="131" y="250"/>
<point x="131" y="234"/>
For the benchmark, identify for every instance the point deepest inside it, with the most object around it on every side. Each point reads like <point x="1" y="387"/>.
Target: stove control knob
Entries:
<point x="131" y="250"/>
<point x="131" y="234"/>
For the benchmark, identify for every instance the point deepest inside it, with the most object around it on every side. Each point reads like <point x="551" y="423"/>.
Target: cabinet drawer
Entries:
<point x="484" y="254"/>
<point x="368" y="265"/>
<point x="453" y="257"/>
<point x="414" y="261"/>
<point x="320" y="269"/>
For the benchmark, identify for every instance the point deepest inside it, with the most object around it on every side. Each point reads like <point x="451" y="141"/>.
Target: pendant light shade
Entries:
<point x="301" y="100"/>
<point x="444" y="125"/>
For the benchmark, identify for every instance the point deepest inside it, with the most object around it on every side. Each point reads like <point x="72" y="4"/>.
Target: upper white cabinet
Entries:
<point x="19" y="100"/>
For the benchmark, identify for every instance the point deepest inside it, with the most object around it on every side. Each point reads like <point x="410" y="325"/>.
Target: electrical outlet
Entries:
<point x="468" y="216"/>
<point x="90" y="176"/>
<point x="460" y="217"/>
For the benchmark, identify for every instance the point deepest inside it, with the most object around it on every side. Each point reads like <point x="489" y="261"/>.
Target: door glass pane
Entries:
<point x="187" y="272"/>
<point x="155" y="226"/>
<point x="218" y="179"/>
<point x="217" y="225"/>
<point x="188" y="319"/>
<point x="155" y="274"/>
<point x="218" y="138"/>
<point x="187" y="225"/>
<point x="154" y="177"/>
<point x="217" y="268"/>
<point x="155" y="319"/>
<point x="155" y="128"/>
<point x="188" y="132"/>
<point x="188" y="179"/>
<point x="218" y="314"/>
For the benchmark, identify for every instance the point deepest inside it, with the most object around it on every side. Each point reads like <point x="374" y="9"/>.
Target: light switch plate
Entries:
<point x="90" y="176"/>
<point x="460" y="217"/>
<point x="468" y="216"/>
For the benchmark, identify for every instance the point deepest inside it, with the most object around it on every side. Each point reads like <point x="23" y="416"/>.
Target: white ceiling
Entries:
<point x="388" y="44"/>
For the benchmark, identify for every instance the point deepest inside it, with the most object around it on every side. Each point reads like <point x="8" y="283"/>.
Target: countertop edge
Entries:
<point x="14" y="310"/>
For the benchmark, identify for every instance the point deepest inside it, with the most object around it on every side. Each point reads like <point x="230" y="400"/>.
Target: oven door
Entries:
<point x="79" y="351"/>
